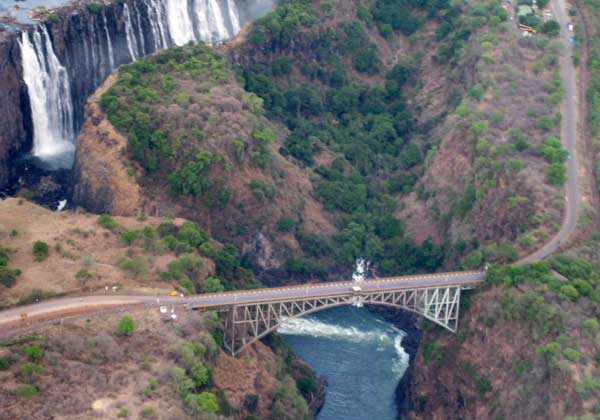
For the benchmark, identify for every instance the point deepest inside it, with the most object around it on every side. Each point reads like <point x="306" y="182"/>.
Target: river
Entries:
<point x="361" y="356"/>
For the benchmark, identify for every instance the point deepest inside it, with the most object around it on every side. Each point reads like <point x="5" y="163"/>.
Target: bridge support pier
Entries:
<point x="247" y="323"/>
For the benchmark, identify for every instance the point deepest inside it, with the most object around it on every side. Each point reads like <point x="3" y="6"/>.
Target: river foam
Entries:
<point x="376" y="338"/>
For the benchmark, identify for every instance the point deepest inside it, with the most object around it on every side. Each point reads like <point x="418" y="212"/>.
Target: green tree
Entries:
<point x="126" y="327"/>
<point x="26" y="391"/>
<point x="107" y="222"/>
<point x="33" y="352"/>
<point x="200" y="374"/>
<point x="29" y="371"/>
<point x="40" y="250"/>
<point x="556" y="174"/>
<point x="212" y="285"/>
<point x="203" y="402"/>
<point x="551" y="27"/>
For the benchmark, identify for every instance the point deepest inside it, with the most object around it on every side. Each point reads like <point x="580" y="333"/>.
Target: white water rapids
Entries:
<point x="375" y="338"/>
<point x="359" y="353"/>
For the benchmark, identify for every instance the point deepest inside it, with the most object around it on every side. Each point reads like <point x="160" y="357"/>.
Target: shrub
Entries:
<point x="30" y="370"/>
<point x="5" y="362"/>
<point x="134" y="266"/>
<point x="126" y="327"/>
<point x="94" y="8"/>
<point x="192" y="235"/>
<point x="147" y="413"/>
<point x="307" y="386"/>
<point x="33" y="352"/>
<point x="590" y="325"/>
<point x="556" y="174"/>
<point x="551" y="28"/>
<point x="40" y="250"/>
<point x="107" y="222"/>
<point x="569" y="292"/>
<point x="285" y="224"/>
<point x="212" y="285"/>
<point x="204" y="402"/>
<point x="262" y="190"/>
<point x="550" y="352"/>
<point x="586" y="386"/>
<point x="26" y="391"/>
<point x="572" y="355"/>
<point x="200" y="374"/>
<point x="130" y="236"/>
<point x="8" y="276"/>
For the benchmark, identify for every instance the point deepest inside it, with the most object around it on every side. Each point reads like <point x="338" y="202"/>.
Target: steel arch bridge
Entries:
<point x="251" y="315"/>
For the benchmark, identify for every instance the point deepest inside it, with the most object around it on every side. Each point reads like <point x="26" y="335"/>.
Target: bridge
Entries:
<point x="252" y="314"/>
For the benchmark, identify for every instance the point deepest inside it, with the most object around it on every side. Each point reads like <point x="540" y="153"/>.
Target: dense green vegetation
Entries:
<point x="380" y="150"/>
<point x="154" y="143"/>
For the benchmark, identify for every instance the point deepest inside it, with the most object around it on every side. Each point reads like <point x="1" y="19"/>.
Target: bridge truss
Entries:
<point x="247" y="323"/>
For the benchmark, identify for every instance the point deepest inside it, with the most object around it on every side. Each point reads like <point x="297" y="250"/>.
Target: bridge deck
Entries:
<point x="322" y="290"/>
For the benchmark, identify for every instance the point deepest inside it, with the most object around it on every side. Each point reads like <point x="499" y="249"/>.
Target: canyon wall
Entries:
<point x="15" y="122"/>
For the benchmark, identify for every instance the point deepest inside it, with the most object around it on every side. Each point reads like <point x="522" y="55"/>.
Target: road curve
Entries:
<point x="569" y="137"/>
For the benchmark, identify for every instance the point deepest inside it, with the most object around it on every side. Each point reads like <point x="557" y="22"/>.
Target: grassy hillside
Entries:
<point x="154" y="370"/>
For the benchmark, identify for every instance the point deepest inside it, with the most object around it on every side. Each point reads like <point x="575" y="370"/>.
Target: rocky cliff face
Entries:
<point x="15" y="122"/>
<point x="100" y="180"/>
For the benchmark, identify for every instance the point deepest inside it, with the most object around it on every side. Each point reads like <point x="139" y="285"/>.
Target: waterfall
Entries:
<point x="233" y="16"/>
<point x="111" y="56"/>
<point x="142" y="50"/>
<point x="93" y="44"/>
<point x="180" y="23"/>
<point x="50" y="98"/>
<point x="202" y="15"/>
<point x="129" y="35"/>
<point x="216" y="22"/>
<point x="155" y="16"/>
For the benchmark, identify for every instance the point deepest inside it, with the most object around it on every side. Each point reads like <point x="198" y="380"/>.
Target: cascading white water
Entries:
<point x="142" y="49"/>
<point x="233" y="16"/>
<point x="155" y="16"/>
<point x="216" y="22"/>
<point x="50" y="99"/>
<point x="111" y="55"/>
<point x="179" y="21"/>
<point x="93" y="44"/>
<point x="129" y="35"/>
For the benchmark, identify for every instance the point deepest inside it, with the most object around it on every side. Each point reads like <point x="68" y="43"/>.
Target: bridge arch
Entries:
<point x="248" y="323"/>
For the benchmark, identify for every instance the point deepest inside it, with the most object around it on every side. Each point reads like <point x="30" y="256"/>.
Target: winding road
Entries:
<point x="569" y="136"/>
<point x="10" y="320"/>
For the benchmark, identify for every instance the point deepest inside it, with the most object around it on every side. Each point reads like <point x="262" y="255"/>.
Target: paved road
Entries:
<point x="569" y="137"/>
<point x="59" y="307"/>
<point x="462" y="278"/>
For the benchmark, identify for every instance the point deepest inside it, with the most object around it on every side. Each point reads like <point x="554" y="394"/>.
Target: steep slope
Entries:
<point x="527" y="348"/>
<point x="199" y="147"/>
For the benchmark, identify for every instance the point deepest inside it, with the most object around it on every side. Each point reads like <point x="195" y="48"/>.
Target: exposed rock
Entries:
<point x="15" y="121"/>
<point x="101" y="183"/>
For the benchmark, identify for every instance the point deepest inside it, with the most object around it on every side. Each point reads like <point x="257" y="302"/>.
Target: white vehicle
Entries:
<point x="356" y="289"/>
<point x="570" y="26"/>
